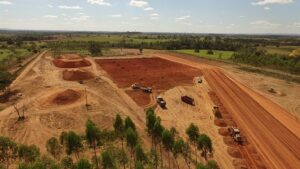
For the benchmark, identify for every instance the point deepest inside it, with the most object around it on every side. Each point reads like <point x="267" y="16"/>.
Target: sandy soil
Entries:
<point x="271" y="129"/>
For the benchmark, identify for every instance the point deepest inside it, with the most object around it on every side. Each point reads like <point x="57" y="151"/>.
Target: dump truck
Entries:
<point x="161" y="102"/>
<point x="217" y="112"/>
<point x="235" y="134"/>
<point x="188" y="100"/>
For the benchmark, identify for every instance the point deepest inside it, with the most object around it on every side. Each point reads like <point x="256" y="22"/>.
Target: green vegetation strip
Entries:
<point x="217" y="54"/>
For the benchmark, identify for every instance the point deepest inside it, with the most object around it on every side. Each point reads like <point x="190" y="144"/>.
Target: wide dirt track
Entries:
<point x="273" y="132"/>
<point x="273" y="139"/>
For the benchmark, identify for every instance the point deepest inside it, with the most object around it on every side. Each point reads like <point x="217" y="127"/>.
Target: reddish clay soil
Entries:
<point x="223" y="131"/>
<point x="77" y="75"/>
<point x="141" y="98"/>
<point x="278" y="143"/>
<point x="234" y="152"/>
<point x="160" y="74"/>
<point x="62" y="63"/>
<point x="66" y="97"/>
<point x="220" y="123"/>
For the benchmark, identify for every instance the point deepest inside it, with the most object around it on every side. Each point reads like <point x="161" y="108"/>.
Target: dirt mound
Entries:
<point x="61" y="63"/>
<point x="223" y="131"/>
<point x="220" y="122"/>
<point x="228" y="141"/>
<point x="57" y="120"/>
<point x="240" y="163"/>
<point x="77" y="75"/>
<point x="234" y="152"/>
<point x="66" y="97"/>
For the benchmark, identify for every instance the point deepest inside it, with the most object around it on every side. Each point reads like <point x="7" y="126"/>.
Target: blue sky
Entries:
<point x="193" y="16"/>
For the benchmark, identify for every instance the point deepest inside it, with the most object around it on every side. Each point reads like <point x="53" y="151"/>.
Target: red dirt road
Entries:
<point x="279" y="147"/>
<point x="271" y="129"/>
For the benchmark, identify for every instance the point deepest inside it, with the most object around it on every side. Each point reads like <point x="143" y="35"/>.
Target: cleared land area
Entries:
<point x="217" y="55"/>
<point x="272" y="130"/>
<point x="280" y="50"/>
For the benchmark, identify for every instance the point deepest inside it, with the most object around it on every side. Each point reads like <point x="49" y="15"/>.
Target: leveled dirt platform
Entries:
<point x="63" y="63"/>
<point x="157" y="73"/>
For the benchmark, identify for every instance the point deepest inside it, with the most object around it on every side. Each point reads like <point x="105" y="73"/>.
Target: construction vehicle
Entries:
<point x="161" y="102"/>
<point x="188" y="100"/>
<point x="235" y="134"/>
<point x="217" y="112"/>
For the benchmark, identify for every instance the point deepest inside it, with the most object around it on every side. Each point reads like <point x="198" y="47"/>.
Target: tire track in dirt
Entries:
<point x="278" y="145"/>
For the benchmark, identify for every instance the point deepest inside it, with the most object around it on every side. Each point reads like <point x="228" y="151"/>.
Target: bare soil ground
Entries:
<point x="271" y="129"/>
<point x="77" y="75"/>
<point x="152" y="72"/>
<point x="54" y="105"/>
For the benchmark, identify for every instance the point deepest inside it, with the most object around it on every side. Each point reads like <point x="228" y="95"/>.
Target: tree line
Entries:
<point x="121" y="147"/>
<point x="261" y="58"/>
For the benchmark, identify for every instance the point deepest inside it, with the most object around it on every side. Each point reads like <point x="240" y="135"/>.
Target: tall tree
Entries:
<point x="72" y="142"/>
<point x="193" y="132"/>
<point x="93" y="134"/>
<point x="132" y="140"/>
<point x="140" y="155"/>
<point x="83" y="164"/>
<point x="129" y="124"/>
<point x="28" y="153"/>
<point x="150" y="122"/>
<point x="205" y="144"/>
<point x="157" y="134"/>
<point x="53" y="147"/>
<point x="168" y="141"/>
<point x="107" y="160"/>
<point x="178" y="148"/>
<point x="119" y="128"/>
<point x="122" y="158"/>
<point x="8" y="150"/>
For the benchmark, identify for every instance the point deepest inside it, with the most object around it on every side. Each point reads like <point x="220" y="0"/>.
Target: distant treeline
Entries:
<point x="260" y="58"/>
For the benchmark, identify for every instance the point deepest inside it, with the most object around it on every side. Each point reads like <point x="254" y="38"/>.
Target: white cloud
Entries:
<point x="154" y="18"/>
<point x="149" y="9"/>
<point x="51" y="16"/>
<point x="154" y="14"/>
<point x="116" y="16"/>
<point x="80" y="13"/>
<point x="50" y="6"/>
<point x="267" y="2"/>
<point x="81" y="18"/>
<point x="69" y="7"/>
<point x="5" y="3"/>
<point x="267" y="8"/>
<point x="138" y="3"/>
<point x="242" y="16"/>
<point x="99" y="2"/>
<point x="264" y="24"/>
<point x="183" y="18"/>
<point x="230" y="26"/>
<point x="135" y="18"/>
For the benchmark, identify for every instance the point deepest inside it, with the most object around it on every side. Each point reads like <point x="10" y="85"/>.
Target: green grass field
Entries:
<point x="6" y="53"/>
<point x="218" y="54"/>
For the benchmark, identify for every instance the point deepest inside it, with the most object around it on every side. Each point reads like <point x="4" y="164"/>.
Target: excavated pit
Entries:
<point x="77" y="75"/>
<point x="62" y="63"/>
<point x="66" y="97"/>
